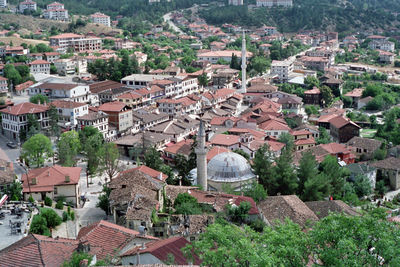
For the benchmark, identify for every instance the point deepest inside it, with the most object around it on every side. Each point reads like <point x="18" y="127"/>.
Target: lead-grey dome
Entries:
<point x="229" y="167"/>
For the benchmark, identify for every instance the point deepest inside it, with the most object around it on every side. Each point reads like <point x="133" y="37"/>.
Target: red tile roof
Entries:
<point x="151" y="172"/>
<point x="162" y="248"/>
<point x="66" y="104"/>
<point x="215" y="150"/>
<point x="314" y="91"/>
<point x="115" y="106"/>
<point x="66" y="36"/>
<point x="47" y="177"/>
<point x="24" y="85"/>
<point x="339" y="122"/>
<point x="130" y="95"/>
<point x="105" y="238"/>
<point x="24" y="108"/>
<point x="357" y="92"/>
<point x="273" y="125"/>
<point x="38" y="251"/>
<point x="225" y="139"/>
<point x="38" y="62"/>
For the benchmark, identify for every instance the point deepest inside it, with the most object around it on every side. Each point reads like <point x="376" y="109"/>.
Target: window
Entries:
<point x="55" y="191"/>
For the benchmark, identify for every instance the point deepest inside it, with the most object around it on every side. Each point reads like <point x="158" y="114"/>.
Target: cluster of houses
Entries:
<point x="56" y="11"/>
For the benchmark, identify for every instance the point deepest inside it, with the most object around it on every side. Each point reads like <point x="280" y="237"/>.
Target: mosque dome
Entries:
<point x="229" y="167"/>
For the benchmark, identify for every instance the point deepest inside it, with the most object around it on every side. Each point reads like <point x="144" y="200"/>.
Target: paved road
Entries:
<point x="167" y="18"/>
<point x="11" y="154"/>
<point x="89" y="213"/>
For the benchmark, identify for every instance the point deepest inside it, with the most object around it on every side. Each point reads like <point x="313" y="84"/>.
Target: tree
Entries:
<point x="340" y="240"/>
<point x="230" y="245"/>
<point x="52" y="218"/>
<point x="235" y="63"/>
<point x="186" y="204"/>
<point x="153" y="159"/>
<point x="255" y="191"/>
<point x="336" y="175"/>
<point x="239" y="214"/>
<point x="308" y="168"/>
<point x="54" y="118"/>
<point x="104" y="200"/>
<point x="37" y="149"/>
<point x="284" y="175"/>
<point x="109" y="159"/>
<point x="242" y="153"/>
<point x="324" y="137"/>
<point x="259" y="64"/>
<point x="39" y="99"/>
<point x="327" y="95"/>
<point x="68" y="148"/>
<point x="262" y="166"/>
<point x="15" y="191"/>
<point x="39" y="226"/>
<point x="12" y="75"/>
<point x="316" y="188"/>
<point x="92" y="141"/>
<point x="287" y="139"/>
<point x="76" y="258"/>
<point x="203" y="79"/>
<point x="362" y="186"/>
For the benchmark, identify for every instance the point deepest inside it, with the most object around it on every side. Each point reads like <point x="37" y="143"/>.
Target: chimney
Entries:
<point x="67" y="179"/>
<point x="143" y="246"/>
<point x="48" y="172"/>
<point x="160" y="176"/>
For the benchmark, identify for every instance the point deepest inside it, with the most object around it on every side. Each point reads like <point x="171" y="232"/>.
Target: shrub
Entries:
<point x="65" y="216"/>
<point x="60" y="205"/>
<point x="72" y="215"/>
<point x="48" y="201"/>
<point x="51" y="217"/>
<point x="39" y="226"/>
<point x="31" y="200"/>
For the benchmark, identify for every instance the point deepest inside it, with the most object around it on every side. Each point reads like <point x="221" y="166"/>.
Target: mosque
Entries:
<point x="228" y="168"/>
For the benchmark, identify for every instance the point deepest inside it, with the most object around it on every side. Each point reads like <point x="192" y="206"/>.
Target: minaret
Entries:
<point x="244" y="64"/>
<point x="201" y="152"/>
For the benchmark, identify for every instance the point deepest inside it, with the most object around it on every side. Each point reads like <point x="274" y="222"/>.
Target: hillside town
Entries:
<point x="197" y="145"/>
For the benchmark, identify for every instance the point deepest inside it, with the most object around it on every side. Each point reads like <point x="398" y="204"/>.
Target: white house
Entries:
<point x="69" y="111"/>
<point x="27" y="5"/>
<point x="3" y="85"/>
<point x="56" y="11"/>
<point x="40" y="66"/>
<point x="282" y="69"/>
<point x="15" y="118"/>
<point x="271" y="3"/>
<point x="100" y="18"/>
<point x="73" y="92"/>
<point x="226" y="55"/>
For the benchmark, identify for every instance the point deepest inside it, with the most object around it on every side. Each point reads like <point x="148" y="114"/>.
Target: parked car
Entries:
<point x="11" y="145"/>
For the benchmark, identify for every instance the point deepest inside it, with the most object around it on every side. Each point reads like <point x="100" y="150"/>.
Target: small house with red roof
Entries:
<point x="313" y="97"/>
<point x="3" y="85"/>
<point x="303" y="139"/>
<point x="22" y="89"/>
<point x="343" y="129"/>
<point x="355" y="96"/>
<point x="52" y="182"/>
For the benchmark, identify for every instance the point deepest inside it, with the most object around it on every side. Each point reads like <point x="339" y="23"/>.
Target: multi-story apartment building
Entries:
<point x="56" y="11"/>
<point x="69" y="111"/>
<point x="142" y="80"/>
<point x="28" y="5"/>
<point x="131" y="99"/>
<point x="40" y="66"/>
<point x="282" y="69"/>
<point x="86" y="44"/>
<point x="97" y="120"/>
<point x="271" y="3"/>
<point x="3" y="85"/>
<point x="101" y="18"/>
<point x="15" y="118"/>
<point x="382" y="45"/>
<point x="119" y="115"/>
<point x="180" y="106"/>
<point x="3" y="3"/>
<point x="64" y="40"/>
<point x="71" y="65"/>
<point x="72" y="92"/>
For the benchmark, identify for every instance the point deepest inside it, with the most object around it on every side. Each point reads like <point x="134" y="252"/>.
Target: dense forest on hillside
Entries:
<point x="336" y="15"/>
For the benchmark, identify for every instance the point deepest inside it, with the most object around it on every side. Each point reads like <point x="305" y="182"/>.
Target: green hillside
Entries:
<point x="335" y="15"/>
